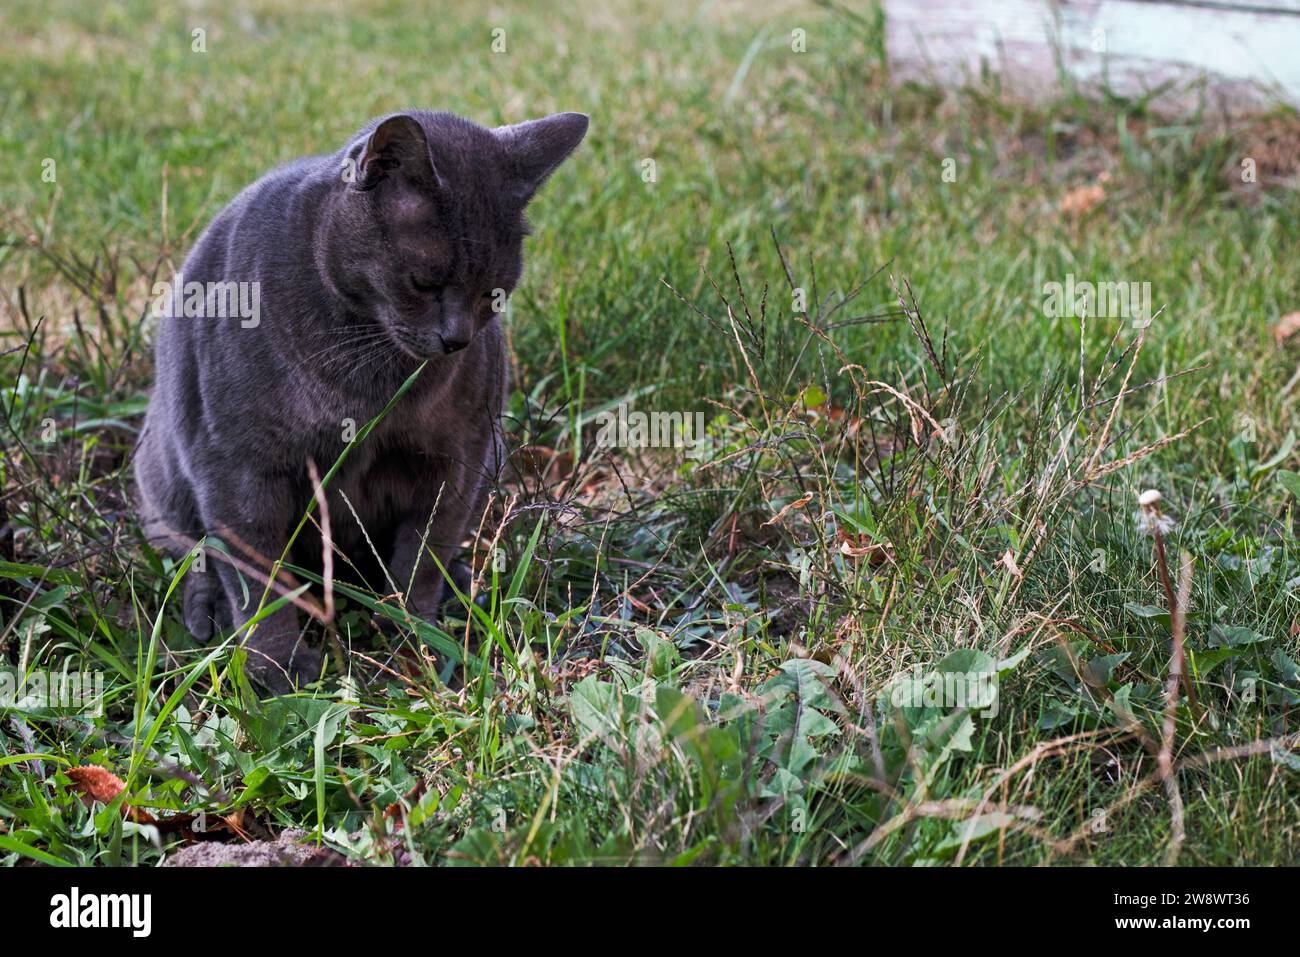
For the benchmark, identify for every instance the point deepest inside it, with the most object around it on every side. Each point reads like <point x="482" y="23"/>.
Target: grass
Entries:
<point x="913" y="471"/>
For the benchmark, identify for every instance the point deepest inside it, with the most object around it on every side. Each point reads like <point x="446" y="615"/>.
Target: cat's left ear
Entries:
<point x="396" y="143"/>
<point x="536" y="148"/>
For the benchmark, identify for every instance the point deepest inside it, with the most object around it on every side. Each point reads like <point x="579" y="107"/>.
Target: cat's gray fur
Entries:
<point x="369" y="261"/>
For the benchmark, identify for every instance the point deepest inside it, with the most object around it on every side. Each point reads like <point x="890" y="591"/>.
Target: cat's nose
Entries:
<point x="452" y="345"/>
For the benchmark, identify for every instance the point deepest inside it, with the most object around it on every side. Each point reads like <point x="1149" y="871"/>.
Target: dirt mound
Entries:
<point x="285" y="851"/>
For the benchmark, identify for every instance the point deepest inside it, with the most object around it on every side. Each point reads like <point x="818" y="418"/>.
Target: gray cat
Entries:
<point x="296" y="317"/>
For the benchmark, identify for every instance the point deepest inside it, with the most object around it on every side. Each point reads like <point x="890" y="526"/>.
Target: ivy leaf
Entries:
<point x="1147" y="611"/>
<point x="1121" y="705"/>
<point x="1287" y="668"/>
<point x="966" y="661"/>
<point x="1203" y="662"/>
<point x="1097" y="672"/>
<point x="1056" y="714"/>
<point x="1008" y="665"/>
<point x="1233" y="636"/>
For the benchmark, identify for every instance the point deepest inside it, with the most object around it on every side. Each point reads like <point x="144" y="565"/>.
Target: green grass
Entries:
<point x="661" y="672"/>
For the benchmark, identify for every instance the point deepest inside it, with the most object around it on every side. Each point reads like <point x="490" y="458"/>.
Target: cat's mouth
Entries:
<point x="451" y="345"/>
<point x="409" y="351"/>
<point x="413" y="347"/>
<point x="423" y="351"/>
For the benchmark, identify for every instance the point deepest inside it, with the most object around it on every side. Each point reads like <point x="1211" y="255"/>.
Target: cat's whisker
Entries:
<point x="368" y="360"/>
<point x="348" y="330"/>
<point x="342" y="347"/>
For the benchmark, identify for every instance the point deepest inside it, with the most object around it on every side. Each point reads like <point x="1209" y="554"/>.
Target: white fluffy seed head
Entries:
<point x="1149" y="497"/>
<point x="1150" y="521"/>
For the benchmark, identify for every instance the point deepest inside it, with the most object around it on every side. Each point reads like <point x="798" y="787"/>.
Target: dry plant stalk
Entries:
<point x="1155" y="523"/>
<point x="1165" y="759"/>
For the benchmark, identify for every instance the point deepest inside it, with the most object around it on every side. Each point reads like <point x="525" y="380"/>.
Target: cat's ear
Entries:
<point x="537" y="147"/>
<point x="398" y="143"/>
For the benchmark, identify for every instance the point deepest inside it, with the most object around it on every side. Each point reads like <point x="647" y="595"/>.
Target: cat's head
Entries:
<point x="426" y="233"/>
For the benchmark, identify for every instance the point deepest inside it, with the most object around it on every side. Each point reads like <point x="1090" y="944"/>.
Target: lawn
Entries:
<point x="918" y="474"/>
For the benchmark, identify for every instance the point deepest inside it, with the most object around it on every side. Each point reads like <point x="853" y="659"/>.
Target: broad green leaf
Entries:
<point x="1290" y="481"/>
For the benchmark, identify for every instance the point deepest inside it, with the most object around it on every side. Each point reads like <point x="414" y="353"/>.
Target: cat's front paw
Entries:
<point x="447" y="599"/>
<point x="280" y="663"/>
<point x="203" y="606"/>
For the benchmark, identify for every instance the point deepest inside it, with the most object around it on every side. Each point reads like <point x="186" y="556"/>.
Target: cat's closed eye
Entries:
<point x="426" y="284"/>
